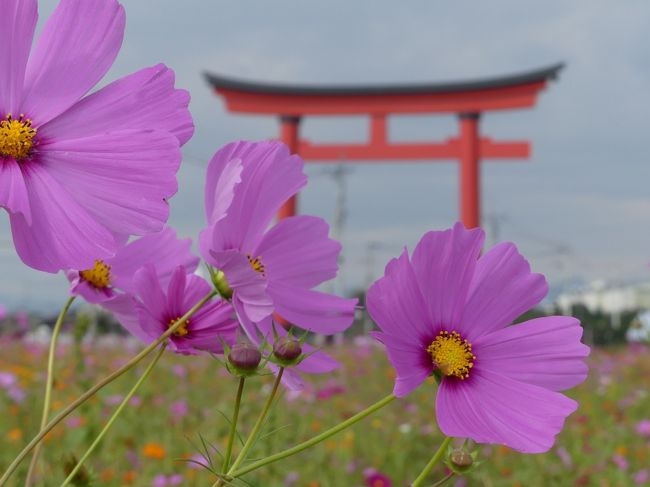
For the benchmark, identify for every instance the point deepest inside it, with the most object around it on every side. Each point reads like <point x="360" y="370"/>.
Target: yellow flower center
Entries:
<point x="181" y="331"/>
<point x="16" y="137"/>
<point x="451" y="354"/>
<point x="256" y="263"/>
<point x="99" y="276"/>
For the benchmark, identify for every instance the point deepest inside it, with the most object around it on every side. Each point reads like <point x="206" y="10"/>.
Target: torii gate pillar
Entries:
<point x="289" y="126"/>
<point x="470" y="187"/>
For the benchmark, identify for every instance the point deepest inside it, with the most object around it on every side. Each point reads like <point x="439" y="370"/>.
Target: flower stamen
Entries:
<point x="256" y="263"/>
<point x="16" y="137"/>
<point x="452" y="355"/>
<point x="99" y="276"/>
<point x="182" y="330"/>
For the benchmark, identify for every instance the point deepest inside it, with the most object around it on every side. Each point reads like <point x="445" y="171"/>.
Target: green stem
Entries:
<point x="255" y="431"/>
<point x="233" y="426"/>
<point x="443" y="480"/>
<point x="315" y="440"/>
<point x="427" y="469"/>
<point x="117" y="412"/>
<point x="101" y="384"/>
<point x="49" y="382"/>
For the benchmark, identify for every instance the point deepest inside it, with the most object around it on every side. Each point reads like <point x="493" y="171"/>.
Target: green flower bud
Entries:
<point x="287" y="349"/>
<point x="221" y="284"/>
<point x="461" y="459"/>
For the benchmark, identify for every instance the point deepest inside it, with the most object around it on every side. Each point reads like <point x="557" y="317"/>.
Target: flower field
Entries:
<point x="180" y="412"/>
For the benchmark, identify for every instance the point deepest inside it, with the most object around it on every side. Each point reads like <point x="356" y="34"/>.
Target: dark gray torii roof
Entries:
<point x="235" y="84"/>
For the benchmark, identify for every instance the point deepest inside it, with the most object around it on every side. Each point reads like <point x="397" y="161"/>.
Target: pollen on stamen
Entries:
<point x="256" y="264"/>
<point x="99" y="276"/>
<point x="16" y="137"/>
<point x="452" y="355"/>
<point x="182" y="330"/>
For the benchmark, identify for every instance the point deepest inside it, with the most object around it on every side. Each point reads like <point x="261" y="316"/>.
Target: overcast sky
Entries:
<point x="578" y="209"/>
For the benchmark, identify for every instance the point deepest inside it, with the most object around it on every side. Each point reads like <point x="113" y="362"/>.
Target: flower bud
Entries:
<point x="244" y="356"/>
<point x="221" y="284"/>
<point x="287" y="349"/>
<point x="461" y="459"/>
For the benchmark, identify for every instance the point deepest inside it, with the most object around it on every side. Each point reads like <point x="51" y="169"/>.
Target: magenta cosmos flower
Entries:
<point x="444" y="310"/>
<point x="112" y="277"/>
<point x="153" y="309"/>
<point x="77" y="173"/>
<point x="377" y="479"/>
<point x="270" y="269"/>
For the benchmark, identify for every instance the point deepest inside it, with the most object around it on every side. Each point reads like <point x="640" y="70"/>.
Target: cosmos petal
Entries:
<point x="502" y="289"/>
<point x="297" y="251"/>
<point x="122" y="178"/>
<point x="163" y="249"/>
<point x="396" y="304"/>
<point x="444" y="264"/>
<point x="545" y="352"/>
<point x="492" y="408"/>
<point x="134" y="317"/>
<point x="411" y="362"/>
<point x="269" y="177"/>
<point x="77" y="46"/>
<point x="62" y="235"/>
<point x="148" y="289"/>
<point x="312" y="310"/>
<point x="145" y="99"/>
<point x="249" y="286"/>
<point x="17" y="24"/>
<point x="13" y="191"/>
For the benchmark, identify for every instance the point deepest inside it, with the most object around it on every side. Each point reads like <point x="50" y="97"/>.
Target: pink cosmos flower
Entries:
<point x="270" y="269"/>
<point x="643" y="428"/>
<point x="620" y="461"/>
<point x="78" y="172"/>
<point x="641" y="477"/>
<point x="445" y="311"/>
<point x="154" y="310"/>
<point x="113" y="277"/>
<point x="376" y="479"/>
<point x="161" y="480"/>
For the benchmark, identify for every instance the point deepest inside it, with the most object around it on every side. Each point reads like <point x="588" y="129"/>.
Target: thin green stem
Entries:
<point x="254" y="432"/>
<point x="315" y="440"/>
<point x="443" y="480"/>
<point x="49" y="382"/>
<point x="101" y="384"/>
<point x="117" y="412"/>
<point x="429" y="466"/>
<point x="233" y="425"/>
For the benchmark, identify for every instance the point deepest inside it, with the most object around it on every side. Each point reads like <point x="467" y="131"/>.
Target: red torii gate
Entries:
<point x="468" y="99"/>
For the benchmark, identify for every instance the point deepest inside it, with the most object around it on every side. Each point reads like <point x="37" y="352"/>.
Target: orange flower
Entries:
<point x="107" y="475"/>
<point x="15" y="435"/>
<point x="129" y="477"/>
<point x="154" y="450"/>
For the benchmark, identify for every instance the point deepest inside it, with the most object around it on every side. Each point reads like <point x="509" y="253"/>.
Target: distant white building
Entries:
<point x="607" y="298"/>
<point x="639" y="330"/>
